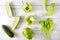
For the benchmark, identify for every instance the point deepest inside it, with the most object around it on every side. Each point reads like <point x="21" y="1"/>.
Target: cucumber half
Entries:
<point x="9" y="11"/>
<point x="15" y="22"/>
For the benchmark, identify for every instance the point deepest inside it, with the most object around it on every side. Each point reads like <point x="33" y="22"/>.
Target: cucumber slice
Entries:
<point x="15" y="22"/>
<point x="7" y="31"/>
<point x="8" y="8"/>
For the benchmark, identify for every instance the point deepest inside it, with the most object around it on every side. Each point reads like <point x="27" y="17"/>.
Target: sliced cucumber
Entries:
<point x="8" y="8"/>
<point x="7" y="31"/>
<point x="15" y="22"/>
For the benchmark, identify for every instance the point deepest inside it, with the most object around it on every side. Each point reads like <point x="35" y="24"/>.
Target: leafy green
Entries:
<point x="47" y="27"/>
<point x="28" y="33"/>
<point x="26" y="7"/>
<point x="30" y="20"/>
<point x="52" y="9"/>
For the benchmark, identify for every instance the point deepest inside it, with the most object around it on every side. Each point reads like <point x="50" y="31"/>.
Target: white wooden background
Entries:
<point x="37" y="11"/>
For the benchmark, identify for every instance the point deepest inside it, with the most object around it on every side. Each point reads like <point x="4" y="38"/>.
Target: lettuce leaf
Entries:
<point x="47" y="27"/>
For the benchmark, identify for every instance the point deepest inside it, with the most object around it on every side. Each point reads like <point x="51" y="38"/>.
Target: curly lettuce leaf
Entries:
<point x="47" y="27"/>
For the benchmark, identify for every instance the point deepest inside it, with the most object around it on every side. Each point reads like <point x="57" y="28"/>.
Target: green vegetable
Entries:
<point x="9" y="11"/>
<point x="15" y="22"/>
<point x="7" y="31"/>
<point x="28" y="33"/>
<point x="47" y="26"/>
<point x="26" y="7"/>
<point x="52" y="9"/>
<point x="45" y="4"/>
<point x="30" y="20"/>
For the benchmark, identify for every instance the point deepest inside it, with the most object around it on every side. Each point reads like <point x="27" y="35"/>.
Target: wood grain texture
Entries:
<point x="37" y="11"/>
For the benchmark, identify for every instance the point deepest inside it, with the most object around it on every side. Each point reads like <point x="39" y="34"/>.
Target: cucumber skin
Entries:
<point x="8" y="31"/>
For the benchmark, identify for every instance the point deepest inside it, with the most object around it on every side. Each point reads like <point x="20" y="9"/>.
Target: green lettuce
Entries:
<point x="47" y="26"/>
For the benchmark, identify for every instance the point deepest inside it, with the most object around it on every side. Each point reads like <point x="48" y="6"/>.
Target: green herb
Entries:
<point x="52" y="9"/>
<point x="26" y="7"/>
<point x="30" y="20"/>
<point x="28" y="33"/>
<point x="47" y="26"/>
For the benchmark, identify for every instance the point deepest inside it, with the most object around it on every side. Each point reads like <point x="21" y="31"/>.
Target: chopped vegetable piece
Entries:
<point x="30" y="20"/>
<point x="26" y="7"/>
<point x="45" y="4"/>
<point x="47" y="26"/>
<point x="28" y="33"/>
<point x="52" y="9"/>
<point x="15" y="22"/>
<point x="7" y="31"/>
<point x="9" y="11"/>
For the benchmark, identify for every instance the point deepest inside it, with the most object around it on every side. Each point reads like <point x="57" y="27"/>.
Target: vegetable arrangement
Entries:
<point x="47" y="25"/>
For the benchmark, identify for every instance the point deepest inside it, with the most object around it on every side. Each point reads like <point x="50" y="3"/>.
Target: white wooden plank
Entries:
<point x="37" y="10"/>
<point x="33" y="2"/>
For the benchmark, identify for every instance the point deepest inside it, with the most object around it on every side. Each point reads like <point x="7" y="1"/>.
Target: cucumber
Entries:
<point x="9" y="10"/>
<point x="8" y="31"/>
<point x="15" y="22"/>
